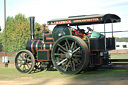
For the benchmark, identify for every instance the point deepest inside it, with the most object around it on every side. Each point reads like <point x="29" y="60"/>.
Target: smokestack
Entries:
<point x="32" y="21"/>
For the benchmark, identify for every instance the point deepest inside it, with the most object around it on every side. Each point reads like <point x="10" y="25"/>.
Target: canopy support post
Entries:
<point x="112" y="27"/>
<point x="104" y="37"/>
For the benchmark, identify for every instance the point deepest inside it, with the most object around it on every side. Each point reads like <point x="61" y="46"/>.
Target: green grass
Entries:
<point x="12" y="73"/>
<point x="123" y="56"/>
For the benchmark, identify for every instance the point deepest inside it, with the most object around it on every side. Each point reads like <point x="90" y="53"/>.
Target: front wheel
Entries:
<point x="70" y="55"/>
<point x="24" y="61"/>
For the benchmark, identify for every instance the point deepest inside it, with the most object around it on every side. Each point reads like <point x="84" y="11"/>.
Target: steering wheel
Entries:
<point x="89" y="29"/>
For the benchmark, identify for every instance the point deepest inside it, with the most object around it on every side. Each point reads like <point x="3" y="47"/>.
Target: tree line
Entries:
<point x="18" y="33"/>
<point x="124" y="39"/>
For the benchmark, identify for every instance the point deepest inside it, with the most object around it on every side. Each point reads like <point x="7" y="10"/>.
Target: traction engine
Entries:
<point x="68" y="50"/>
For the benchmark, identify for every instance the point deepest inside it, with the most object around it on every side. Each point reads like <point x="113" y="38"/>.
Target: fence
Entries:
<point x="11" y="57"/>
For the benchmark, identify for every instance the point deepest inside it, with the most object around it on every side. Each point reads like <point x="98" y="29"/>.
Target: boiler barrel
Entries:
<point x="35" y="45"/>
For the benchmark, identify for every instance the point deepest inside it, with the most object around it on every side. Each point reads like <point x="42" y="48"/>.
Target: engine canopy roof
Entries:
<point x="86" y="20"/>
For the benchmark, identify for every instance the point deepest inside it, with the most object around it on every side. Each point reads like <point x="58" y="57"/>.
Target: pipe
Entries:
<point x="32" y="21"/>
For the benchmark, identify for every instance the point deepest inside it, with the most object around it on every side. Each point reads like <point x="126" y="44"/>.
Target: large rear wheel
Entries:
<point x="70" y="55"/>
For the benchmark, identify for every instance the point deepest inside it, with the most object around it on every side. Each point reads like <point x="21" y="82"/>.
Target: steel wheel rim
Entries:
<point x="70" y="57"/>
<point x="24" y="62"/>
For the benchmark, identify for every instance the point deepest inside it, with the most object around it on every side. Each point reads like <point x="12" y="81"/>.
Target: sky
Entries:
<point x="45" y="10"/>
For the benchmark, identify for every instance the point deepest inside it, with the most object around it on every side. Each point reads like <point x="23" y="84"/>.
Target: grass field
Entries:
<point x="100" y="77"/>
<point x="122" y="56"/>
<point x="12" y="73"/>
<point x="10" y="76"/>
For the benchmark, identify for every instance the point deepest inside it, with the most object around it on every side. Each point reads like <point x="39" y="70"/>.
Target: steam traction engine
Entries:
<point x="69" y="50"/>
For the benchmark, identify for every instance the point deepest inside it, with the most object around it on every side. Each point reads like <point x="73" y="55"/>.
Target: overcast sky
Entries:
<point x="44" y="10"/>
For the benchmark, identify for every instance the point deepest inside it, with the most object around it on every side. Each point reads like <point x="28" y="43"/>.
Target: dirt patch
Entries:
<point x="9" y="65"/>
<point x="117" y="52"/>
<point x="65" y="82"/>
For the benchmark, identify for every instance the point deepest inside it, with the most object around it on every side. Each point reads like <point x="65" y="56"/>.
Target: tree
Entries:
<point x="1" y="46"/>
<point x="14" y="32"/>
<point x="18" y="32"/>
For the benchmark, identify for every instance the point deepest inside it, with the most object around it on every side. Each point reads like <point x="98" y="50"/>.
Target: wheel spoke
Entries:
<point x="57" y="54"/>
<point x="71" y="65"/>
<point x="21" y="65"/>
<point x="68" y="43"/>
<point x="66" y="46"/>
<point x="76" y="61"/>
<point x="72" y="45"/>
<point x="24" y="55"/>
<point x="76" y="50"/>
<point x="21" y="56"/>
<point x="62" y="47"/>
<point x="74" y="68"/>
<point x="59" y="49"/>
<point x="61" y="61"/>
<point x="28" y="61"/>
<point x="77" y="55"/>
<point x="27" y="57"/>
<point x="67" y="66"/>
<point x="28" y="66"/>
<point x="19" y="60"/>
<point x="24" y="67"/>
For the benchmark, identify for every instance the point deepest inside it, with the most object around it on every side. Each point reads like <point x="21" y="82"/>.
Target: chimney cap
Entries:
<point x="32" y="17"/>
